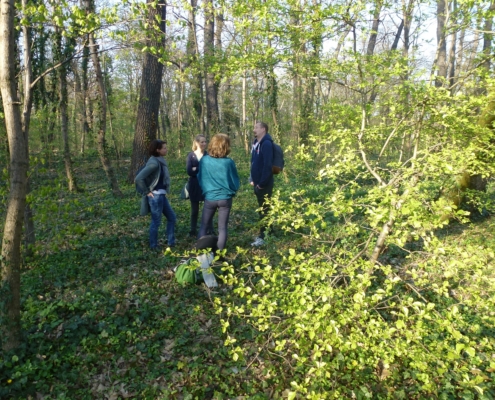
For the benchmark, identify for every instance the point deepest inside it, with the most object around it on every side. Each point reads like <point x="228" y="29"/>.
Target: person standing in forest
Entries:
<point x="195" y="192"/>
<point x="219" y="181"/>
<point x="153" y="182"/>
<point x="261" y="174"/>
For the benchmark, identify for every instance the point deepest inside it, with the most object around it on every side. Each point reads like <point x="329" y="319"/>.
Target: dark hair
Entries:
<point x="264" y="125"/>
<point x="155" y="145"/>
<point x="219" y="146"/>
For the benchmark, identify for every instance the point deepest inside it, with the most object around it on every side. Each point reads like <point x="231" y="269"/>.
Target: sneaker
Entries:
<point x="258" y="242"/>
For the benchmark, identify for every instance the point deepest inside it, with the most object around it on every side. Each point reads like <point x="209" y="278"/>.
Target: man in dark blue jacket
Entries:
<point x="261" y="172"/>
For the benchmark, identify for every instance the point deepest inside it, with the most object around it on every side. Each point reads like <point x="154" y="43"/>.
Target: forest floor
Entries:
<point x="103" y="316"/>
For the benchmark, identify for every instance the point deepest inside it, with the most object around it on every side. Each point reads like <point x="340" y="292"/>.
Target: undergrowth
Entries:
<point x="306" y="316"/>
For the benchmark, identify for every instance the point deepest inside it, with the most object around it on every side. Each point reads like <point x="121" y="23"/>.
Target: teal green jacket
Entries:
<point x="147" y="179"/>
<point x="218" y="178"/>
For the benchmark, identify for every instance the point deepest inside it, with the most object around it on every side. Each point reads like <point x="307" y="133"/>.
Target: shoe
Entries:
<point x="258" y="242"/>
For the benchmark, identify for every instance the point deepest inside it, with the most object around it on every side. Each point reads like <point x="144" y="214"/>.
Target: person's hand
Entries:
<point x="194" y="168"/>
<point x="251" y="183"/>
<point x="150" y="194"/>
<point x="258" y="186"/>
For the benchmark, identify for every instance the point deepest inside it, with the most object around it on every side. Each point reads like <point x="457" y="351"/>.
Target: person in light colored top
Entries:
<point x="219" y="181"/>
<point x="195" y="192"/>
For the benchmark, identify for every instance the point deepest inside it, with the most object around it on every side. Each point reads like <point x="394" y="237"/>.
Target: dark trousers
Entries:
<point x="223" y="207"/>
<point x="194" y="219"/>
<point x="261" y="195"/>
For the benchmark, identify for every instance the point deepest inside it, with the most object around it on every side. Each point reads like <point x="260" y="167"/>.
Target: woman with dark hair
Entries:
<point x="195" y="192"/>
<point x="219" y="181"/>
<point x="153" y="182"/>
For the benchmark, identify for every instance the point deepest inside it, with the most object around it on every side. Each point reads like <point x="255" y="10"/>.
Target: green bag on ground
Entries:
<point x="188" y="272"/>
<point x="199" y="269"/>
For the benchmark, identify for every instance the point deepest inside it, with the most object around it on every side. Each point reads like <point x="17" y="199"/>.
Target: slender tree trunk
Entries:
<point x="86" y="112"/>
<point x="219" y="22"/>
<point x="441" y="59"/>
<point x="407" y="11"/>
<point x="163" y="115"/>
<point x="102" y="102"/>
<point x="197" y="80"/>
<point x="10" y="317"/>
<point x="312" y="55"/>
<point x="452" y="50"/>
<point x="29" y="232"/>
<point x="229" y="115"/>
<point x="180" y="116"/>
<point x="76" y="112"/>
<point x="244" y="115"/>
<point x="487" y="38"/>
<point x="64" y="115"/>
<point x="395" y="44"/>
<point x="460" y="55"/>
<point x="336" y="53"/>
<point x="374" y="29"/>
<point x="372" y="41"/>
<point x="272" y="87"/>
<point x="212" y="114"/>
<point x="149" y="96"/>
<point x="297" y="48"/>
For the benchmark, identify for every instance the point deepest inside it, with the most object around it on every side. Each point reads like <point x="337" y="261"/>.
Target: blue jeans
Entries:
<point x="209" y="208"/>
<point x="159" y="205"/>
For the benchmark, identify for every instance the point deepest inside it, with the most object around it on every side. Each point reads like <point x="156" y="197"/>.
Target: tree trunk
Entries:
<point x="407" y="14"/>
<point x="374" y="29"/>
<point x="460" y="55"/>
<point x="197" y="80"/>
<point x="219" y="22"/>
<point x="395" y="44"/>
<point x="441" y="58"/>
<point x="372" y="41"/>
<point x="101" y="140"/>
<point x="164" y="121"/>
<point x="297" y="48"/>
<point x="312" y="59"/>
<point x="230" y="117"/>
<point x="452" y="49"/>
<point x="273" y="104"/>
<point x="244" y="115"/>
<point x="212" y="115"/>
<point x="29" y="233"/>
<point x="272" y="87"/>
<point x="149" y="95"/>
<point x="10" y="317"/>
<point x="486" y="120"/>
<point x="86" y="112"/>
<point x="64" y="114"/>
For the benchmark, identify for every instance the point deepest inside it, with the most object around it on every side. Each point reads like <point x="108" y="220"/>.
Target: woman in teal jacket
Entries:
<point x="219" y="181"/>
<point x="153" y="182"/>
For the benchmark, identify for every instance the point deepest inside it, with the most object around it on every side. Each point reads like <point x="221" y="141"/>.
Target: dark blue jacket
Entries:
<point x="195" y="192"/>
<point x="262" y="161"/>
